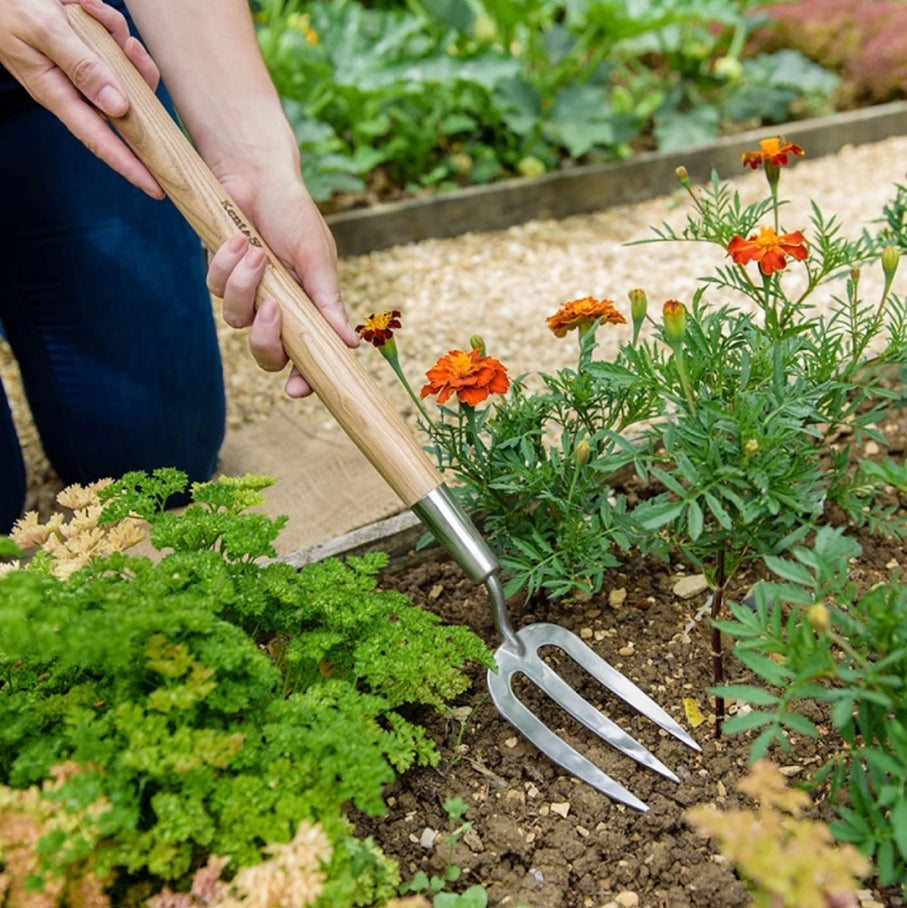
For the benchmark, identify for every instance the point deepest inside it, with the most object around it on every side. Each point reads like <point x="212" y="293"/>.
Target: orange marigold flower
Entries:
<point x="768" y="249"/>
<point x="469" y="375"/>
<point x="774" y="151"/>
<point x="582" y="314"/>
<point x="379" y="329"/>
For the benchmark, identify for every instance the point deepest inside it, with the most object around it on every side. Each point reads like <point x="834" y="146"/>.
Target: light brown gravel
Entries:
<point x="504" y="285"/>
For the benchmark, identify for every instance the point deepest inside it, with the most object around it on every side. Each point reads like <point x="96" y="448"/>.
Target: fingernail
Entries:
<point x="237" y="243"/>
<point x="255" y="257"/>
<point x="267" y="312"/>
<point x="111" y="101"/>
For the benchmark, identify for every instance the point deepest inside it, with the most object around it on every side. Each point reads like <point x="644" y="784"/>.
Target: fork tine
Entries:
<point x="544" y="634"/>
<point x="526" y="722"/>
<point x="582" y="710"/>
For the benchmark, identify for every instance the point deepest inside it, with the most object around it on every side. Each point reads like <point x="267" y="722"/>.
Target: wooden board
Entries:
<point x="584" y="189"/>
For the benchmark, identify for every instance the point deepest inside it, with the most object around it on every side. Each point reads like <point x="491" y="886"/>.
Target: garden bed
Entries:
<point x="579" y="190"/>
<point x="541" y="838"/>
<point x="538" y="837"/>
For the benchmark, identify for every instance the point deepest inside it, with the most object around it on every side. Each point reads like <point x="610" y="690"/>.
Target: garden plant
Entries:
<point x="735" y="424"/>
<point x="408" y="96"/>
<point x="199" y="723"/>
<point x="206" y="712"/>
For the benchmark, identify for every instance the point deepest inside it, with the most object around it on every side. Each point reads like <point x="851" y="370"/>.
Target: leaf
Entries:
<point x="899" y="826"/>
<point x="694" y="519"/>
<point x="676" y="129"/>
<point x="748" y="694"/>
<point x="746" y="722"/>
<point x="694" y="715"/>
<point x="653" y="516"/>
<point x="799" y="723"/>
<point x="457" y="14"/>
<point x="766" y="668"/>
<point x="718" y="511"/>
<point x="789" y="570"/>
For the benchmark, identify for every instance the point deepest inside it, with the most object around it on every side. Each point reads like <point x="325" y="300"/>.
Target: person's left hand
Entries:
<point x="289" y="221"/>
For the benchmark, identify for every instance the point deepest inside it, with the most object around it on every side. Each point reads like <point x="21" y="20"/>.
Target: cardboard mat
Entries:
<point x="324" y="485"/>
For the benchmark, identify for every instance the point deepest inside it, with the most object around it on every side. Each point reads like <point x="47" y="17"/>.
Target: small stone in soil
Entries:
<point x="616" y="598"/>
<point x="687" y="587"/>
<point x="626" y="899"/>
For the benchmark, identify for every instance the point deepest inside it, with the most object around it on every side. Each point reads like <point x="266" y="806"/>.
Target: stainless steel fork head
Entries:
<point x="519" y="655"/>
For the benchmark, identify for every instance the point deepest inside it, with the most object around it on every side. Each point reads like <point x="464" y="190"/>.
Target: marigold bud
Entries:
<point x="638" y="305"/>
<point x="582" y="452"/>
<point x="477" y="343"/>
<point x="855" y="274"/>
<point x="675" y="321"/>
<point x="890" y="259"/>
<point x="683" y="176"/>
<point x="750" y="447"/>
<point x="819" y="617"/>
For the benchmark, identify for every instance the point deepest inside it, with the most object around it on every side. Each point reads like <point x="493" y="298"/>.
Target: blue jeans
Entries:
<point x="103" y="302"/>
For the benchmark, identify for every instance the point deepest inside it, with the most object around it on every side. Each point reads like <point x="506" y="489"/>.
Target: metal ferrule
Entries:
<point x="443" y="517"/>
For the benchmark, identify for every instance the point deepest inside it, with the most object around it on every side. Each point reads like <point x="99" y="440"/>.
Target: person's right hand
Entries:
<point x="40" y="48"/>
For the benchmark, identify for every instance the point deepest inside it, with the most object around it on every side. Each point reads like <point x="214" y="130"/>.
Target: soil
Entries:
<point x="541" y="838"/>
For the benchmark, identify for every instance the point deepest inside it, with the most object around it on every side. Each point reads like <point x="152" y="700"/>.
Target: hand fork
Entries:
<point x="351" y="396"/>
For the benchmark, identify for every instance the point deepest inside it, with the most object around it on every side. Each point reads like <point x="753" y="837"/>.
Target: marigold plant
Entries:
<point x="582" y="314"/>
<point x="775" y="151"/>
<point x="743" y="409"/>
<point x="469" y="376"/>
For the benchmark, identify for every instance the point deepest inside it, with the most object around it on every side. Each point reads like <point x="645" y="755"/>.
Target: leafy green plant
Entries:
<point x="786" y="859"/>
<point x="435" y="885"/>
<point x="812" y="637"/>
<point x="213" y="698"/>
<point x="443" y="93"/>
<point x="727" y="415"/>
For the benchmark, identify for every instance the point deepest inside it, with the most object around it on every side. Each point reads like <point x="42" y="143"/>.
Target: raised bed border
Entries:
<point x="593" y="188"/>
<point x="578" y="191"/>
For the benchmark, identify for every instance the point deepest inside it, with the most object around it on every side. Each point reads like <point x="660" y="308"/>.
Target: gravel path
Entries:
<point x="504" y="285"/>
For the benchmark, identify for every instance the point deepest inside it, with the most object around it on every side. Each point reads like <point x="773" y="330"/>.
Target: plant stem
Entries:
<point x="398" y="371"/>
<point x="684" y="378"/>
<point x="717" y="655"/>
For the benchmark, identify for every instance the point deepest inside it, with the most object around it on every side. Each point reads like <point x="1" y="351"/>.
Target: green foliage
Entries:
<point x="552" y="513"/>
<point x="813" y="638"/>
<point x="435" y="885"/>
<point x="894" y="217"/>
<point x="442" y="93"/>
<point x="213" y="698"/>
<point x="729" y="420"/>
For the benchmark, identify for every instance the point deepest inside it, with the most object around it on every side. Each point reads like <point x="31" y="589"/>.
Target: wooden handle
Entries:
<point x="327" y="363"/>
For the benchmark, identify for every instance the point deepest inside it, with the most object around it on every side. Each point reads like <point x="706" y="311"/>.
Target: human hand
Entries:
<point x="41" y="50"/>
<point x="289" y="221"/>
